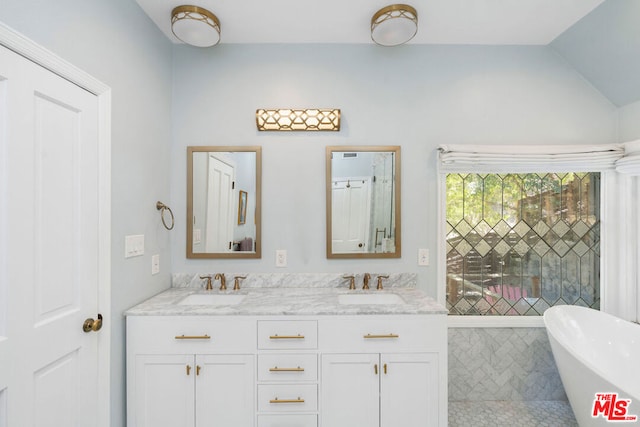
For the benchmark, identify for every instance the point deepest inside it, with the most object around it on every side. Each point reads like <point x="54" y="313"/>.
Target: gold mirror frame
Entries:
<point x="396" y="200"/>
<point x="238" y="203"/>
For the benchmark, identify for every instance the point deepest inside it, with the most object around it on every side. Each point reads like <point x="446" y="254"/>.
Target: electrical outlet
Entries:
<point x="281" y="258"/>
<point x="155" y="264"/>
<point x="423" y="257"/>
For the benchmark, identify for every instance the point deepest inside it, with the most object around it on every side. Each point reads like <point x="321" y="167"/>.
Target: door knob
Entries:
<point x="92" y="325"/>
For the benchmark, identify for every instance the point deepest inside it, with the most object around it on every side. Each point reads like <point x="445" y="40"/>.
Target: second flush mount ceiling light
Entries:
<point x="195" y="26"/>
<point x="394" y="25"/>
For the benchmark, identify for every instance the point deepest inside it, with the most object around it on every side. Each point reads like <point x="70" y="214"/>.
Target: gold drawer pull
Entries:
<point x="382" y="336"/>
<point x="286" y="337"/>
<point x="276" y="400"/>
<point x="276" y="369"/>
<point x="193" y="337"/>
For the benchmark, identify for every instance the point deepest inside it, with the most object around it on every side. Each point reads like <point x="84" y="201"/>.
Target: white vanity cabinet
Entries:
<point x="184" y="371"/>
<point x="320" y="370"/>
<point x="383" y="371"/>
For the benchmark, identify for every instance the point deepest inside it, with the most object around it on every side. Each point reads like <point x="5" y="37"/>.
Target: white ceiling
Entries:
<point x="487" y="22"/>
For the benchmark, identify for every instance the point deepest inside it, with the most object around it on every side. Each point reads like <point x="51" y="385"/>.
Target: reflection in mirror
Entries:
<point x="223" y="202"/>
<point x="363" y="202"/>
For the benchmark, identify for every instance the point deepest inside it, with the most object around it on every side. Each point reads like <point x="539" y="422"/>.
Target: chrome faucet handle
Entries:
<point x="365" y="281"/>
<point x="379" y="287"/>
<point x="223" y="281"/>
<point x="209" y="286"/>
<point x="236" y="282"/>
<point x="352" y="281"/>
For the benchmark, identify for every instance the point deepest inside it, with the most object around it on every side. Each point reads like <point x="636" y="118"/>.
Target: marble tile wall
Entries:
<point x="502" y="364"/>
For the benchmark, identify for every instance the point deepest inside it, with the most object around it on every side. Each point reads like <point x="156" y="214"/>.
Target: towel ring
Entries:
<point x="162" y="207"/>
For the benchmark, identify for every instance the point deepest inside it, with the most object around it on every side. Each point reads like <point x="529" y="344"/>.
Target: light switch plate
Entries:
<point x="133" y="245"/>
<point x="281" y="258"/>
<point x="423" y="257"/>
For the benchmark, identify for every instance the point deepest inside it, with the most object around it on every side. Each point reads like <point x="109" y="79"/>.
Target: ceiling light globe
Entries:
<point x="195" y="26"/>
<point x="394" y="25"/>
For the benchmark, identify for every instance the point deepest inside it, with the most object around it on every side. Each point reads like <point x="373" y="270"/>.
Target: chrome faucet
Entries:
<point x="365" y="281"/>
<point x="223" y="281"/>
<point x="209" y="286"/>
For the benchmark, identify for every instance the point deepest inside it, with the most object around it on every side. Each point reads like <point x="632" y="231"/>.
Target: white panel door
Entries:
<point x="350" y="215"/>
<point x="49" y="245"/>
<point x="220" y="205"/>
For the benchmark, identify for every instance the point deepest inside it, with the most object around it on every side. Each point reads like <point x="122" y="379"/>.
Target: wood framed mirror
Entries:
<point x="224" y="202"/>
<point x="363" y="202"/>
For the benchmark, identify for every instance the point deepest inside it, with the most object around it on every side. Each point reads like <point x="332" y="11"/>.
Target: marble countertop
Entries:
<point x="287" y="301"/>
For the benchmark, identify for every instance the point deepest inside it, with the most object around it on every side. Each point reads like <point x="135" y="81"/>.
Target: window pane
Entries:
<point x="518" y="244"/>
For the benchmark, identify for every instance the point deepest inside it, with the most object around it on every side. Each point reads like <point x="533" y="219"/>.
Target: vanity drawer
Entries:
<point x="187" y="335"/>
<point x="288" y="420"/>
<point x="383" y="333"/>
<point x="287" y="398"/>
<point x="287" y="367"/>
<point x="287" y="334"/>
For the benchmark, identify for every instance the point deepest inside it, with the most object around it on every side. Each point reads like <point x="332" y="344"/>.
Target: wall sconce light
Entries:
<point x="195" y="26"/>
<point x="394" y="25"/>
<point x="312" y="119"/>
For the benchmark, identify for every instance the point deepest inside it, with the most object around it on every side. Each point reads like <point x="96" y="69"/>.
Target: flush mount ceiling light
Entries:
<point x="195" y="26"/>
<point x="394" y="25"/>
<point x="312" y="119"/>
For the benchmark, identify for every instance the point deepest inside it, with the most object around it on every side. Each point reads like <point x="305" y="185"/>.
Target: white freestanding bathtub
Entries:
<point x="598" y="357"/>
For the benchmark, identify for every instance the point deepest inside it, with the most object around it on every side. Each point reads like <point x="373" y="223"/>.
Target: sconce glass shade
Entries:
<point x="311" y="119"/>
<point x="394" y="25"/>
<point x="195" y="26"/>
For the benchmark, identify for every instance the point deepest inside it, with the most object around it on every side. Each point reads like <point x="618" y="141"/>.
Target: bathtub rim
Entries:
<point x="572" y="351"/>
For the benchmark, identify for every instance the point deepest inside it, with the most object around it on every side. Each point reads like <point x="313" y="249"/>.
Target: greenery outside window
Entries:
<point x="519" y="243"/>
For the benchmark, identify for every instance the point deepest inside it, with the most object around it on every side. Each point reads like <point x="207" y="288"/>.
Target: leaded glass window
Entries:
<point x="518" y="244"/>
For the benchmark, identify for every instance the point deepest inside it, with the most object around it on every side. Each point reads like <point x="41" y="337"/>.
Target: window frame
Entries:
<point x="619" y="237"/>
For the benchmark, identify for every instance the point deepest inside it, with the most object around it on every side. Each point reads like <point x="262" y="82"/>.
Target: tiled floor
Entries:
<point x="511" y="414"/>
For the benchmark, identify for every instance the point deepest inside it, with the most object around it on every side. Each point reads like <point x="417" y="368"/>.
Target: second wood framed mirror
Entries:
<point x="363" y="202"/>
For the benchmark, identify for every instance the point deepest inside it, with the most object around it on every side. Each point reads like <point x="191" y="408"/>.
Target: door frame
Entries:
<point x="27" y="48"/>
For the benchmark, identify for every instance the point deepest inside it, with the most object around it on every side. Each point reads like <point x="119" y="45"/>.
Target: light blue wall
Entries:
<point x="414" y="96"/>
<point x="604" y="46"/>
<point x="629" y="122"/>
<point x="117" y="44"/>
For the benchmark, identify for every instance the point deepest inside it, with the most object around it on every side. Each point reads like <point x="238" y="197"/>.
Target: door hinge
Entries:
<point x="233" y="185"/>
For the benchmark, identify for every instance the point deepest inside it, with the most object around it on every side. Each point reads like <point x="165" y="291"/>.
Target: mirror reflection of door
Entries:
<point x="351" y="213"/>
<point x="220" y="204"/>
<point x="363" y="202"/>
<point x="223" y="201"/>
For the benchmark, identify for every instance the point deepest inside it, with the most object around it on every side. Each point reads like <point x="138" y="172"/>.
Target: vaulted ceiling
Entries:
<point x="599" y="38"/>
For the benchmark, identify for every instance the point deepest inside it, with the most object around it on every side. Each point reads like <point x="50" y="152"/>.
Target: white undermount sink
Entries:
<point x="212" y="299"/>
<point x="355" y="299"/>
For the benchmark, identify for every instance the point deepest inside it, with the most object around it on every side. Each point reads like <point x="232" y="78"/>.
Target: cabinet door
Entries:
<point x="224" y="391"/>
<point x="350" y="390"/>
<point x="164" y="391"/>
<point x="409" y="390"/>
